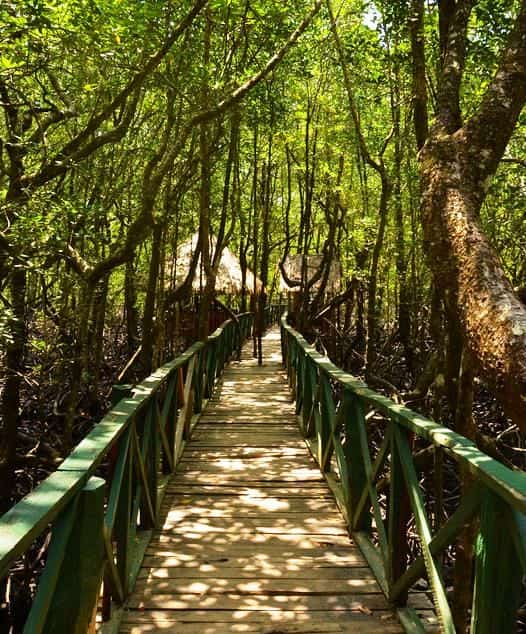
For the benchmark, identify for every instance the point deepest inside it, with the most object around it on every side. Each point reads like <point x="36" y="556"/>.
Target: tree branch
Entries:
<point x="490" y="128"/>
<point x="454" y="58"/>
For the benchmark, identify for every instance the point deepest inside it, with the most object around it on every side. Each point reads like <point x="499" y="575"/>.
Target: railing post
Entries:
<point x="354" y="418"/>
<point x="327" y="419"/>
<point x="69" y="586"/>
<point x="397" y="517"/>
<point x="498" y="574"/>
<point x="305" y="395"/>
<point x="198" y="381"/>
<point x="120" y="391"/>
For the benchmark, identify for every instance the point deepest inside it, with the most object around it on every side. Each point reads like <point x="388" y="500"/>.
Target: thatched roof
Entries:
<point x="228" y="276"/>
<point x="293" y="264"/>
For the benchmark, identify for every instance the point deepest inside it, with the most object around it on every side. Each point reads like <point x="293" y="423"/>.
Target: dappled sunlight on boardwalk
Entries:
<point x="252" y="540"/>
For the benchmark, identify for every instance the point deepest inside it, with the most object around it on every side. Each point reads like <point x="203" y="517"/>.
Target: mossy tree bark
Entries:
<point x="456" y="166"/>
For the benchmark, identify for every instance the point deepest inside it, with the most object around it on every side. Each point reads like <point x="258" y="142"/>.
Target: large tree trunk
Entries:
<point x="456" y="165"/>
<point x="468" y="271"/>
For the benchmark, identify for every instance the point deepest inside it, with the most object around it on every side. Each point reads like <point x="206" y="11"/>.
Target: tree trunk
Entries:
<point x="80" y="365"/>
<point x="130" y="307"/>
<point x="148" y="326"/>
<point x="97" y="341"/>
<point x="373" y="309"/>
<point x="265" y="244"/>
<point x="468" y="271"/>
<point x="456" y="166"/>
<point x="14" y="369"/>
<point x="204" y="192"/>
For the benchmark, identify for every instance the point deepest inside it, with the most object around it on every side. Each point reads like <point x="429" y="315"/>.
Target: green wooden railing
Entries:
<point x="336" y="412"/>
<point x="273" y="313"/>
<point x="100" y="526"/>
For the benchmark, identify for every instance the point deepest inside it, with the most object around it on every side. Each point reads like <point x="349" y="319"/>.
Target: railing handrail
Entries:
<point x="332" y="413"/>
<point x="27" y="519"/>
<point x="509" y="484"/>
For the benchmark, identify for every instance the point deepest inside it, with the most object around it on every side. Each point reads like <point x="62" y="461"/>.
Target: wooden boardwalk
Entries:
<point x="252" y="539"/>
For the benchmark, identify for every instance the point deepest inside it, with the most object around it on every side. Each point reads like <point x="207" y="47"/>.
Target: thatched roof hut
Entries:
<point x="293" y="265"/>
<point x="229" y="278"/>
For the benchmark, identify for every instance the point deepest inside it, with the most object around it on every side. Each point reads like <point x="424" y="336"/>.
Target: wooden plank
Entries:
<point x="269" y="586"/>
<point x="271" y="628"/>
<point x="286" y="622"/>
<point x="242" y="432"/>
<point x="249" y="526"/>
<point x="254" y="489"/>
<point x="238" y="399"/>
<point x="269" y="602"/>
<point x="284" y="615"/>
<point x="235" y="464"/>
<point x="259" y="443"/>
<point x="283" y="571"/>
<point x="271" y="422"/>
<point x="191" y="454"/>
<point x="274" y="509"/>
<point x="220" y="476"/>
<point x="271" y="505"/>
<point x="194" y="555"/>
<point x="206" y="538"/>
<point x="262" y="412"/>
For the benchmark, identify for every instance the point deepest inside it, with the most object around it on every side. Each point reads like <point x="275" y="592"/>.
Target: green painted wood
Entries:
<point x="111" y="572"/>
<point x="148" y="518"/>
<point x="327" y="423"/>
<point x="168" y="401"/>
<point x="352" y="413"/>
<point x="163" y="438"/>
<point x="510" y="485"/>
<point x="47" y="504"/>
<point x="26" y="520"/>
<point x="410" y="621"/>
<point x="21" y="525"/>
<point x="443" y="538"/>
<point x="197" y="383"/>
<point x="424" y="532"/>
<point x="342" y="461"/>
<point x="154" y="457"/>
<point x="137" y="550"/>
<point x="120" y="391"/>
<point x="363" y="497"/>
<point x="375" y="561"/>
<point x="74" y="599"/>
<point x="122" y="524"/>
<point x="117" y="479"/>
<point x="518" y="533"/>
<point x="171" y="416"/>
<point x="51" y="573"/>
<point x="398" y="517"/>
<point x="498" y="573"/>
<point x="358" y="419"/>
<point x="311" y="380"/>
<point x="302" y="391"/>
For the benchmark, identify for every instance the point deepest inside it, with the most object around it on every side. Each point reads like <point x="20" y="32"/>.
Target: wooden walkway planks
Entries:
<point x="252" y="539"/>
